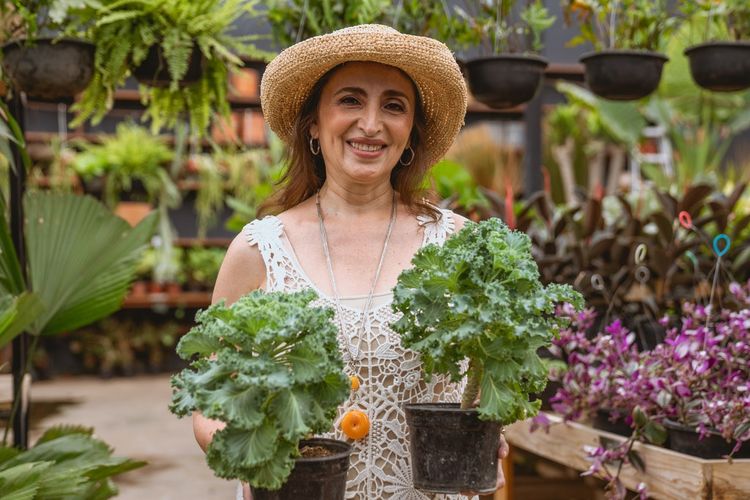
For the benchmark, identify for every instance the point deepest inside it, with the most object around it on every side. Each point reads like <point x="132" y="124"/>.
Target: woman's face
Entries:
<point x="365" y="117"/>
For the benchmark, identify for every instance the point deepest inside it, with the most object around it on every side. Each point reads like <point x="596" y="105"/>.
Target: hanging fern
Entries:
<point x="123" y="33"/>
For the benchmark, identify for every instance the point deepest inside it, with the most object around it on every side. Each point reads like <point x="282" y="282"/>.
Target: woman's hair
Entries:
<point x="305" y="172"/>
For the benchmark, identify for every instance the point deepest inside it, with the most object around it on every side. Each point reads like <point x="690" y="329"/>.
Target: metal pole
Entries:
<point x="532" y="171"/>
<point x="21" y="342"/>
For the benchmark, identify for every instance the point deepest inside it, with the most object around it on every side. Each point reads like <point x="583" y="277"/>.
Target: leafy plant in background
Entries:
<point x="583" y="134"/>
<point x="130" y="158"/>
<point x="576" y="243"/>
<point x="478" y="297"/>
<point x="65" y="462"/>
<point x="724" y="19"/>
<point x="269" y="367"/>
<point x="203" y="266"/>
<point x="123" y="33"/>
<point x="494" y="26"/>
<point x="29" y="19"/>
<point x="620" y="24"/>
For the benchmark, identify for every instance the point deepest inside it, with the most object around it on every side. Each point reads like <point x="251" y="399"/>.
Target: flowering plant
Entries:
<point x="703" y="368"/>
<point x="604" y="373"/>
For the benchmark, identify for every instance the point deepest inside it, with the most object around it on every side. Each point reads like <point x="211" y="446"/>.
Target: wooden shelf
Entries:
<point x="669" y="475"/>
<point x="183" y="299"/>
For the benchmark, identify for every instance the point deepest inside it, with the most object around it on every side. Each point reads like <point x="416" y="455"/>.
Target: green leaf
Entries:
<point x="81" y="258"/>
<point x="243" y="448"/>
<point x="291" y="410"/>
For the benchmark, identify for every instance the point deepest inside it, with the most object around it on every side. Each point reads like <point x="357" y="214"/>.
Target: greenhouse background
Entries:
<point x="640" y="203"/>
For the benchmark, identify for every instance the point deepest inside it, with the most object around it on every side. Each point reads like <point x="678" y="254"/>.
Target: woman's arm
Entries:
<point x="242" y="271"/>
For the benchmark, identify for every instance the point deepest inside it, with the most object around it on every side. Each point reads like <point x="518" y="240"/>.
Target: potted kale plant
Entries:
<point x="626" y="36"/>
<point x="269" y="367"/>
<point x="722" y="62"/>
<point x="509" y="76"/>
<point x="476" y="299"/>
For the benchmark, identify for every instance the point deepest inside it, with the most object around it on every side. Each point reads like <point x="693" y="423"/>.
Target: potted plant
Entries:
<point x="180" y="51"/>
<point x="43" y="67"/>
<point x="703" y="370"/>
<point x="269" y="367"/>
<point x="477" y="298"/>
<point x="132" y="163"/>
<point x="508" y="77"/>
<point x="66" y="460"/>
<point x="722" y="62"/>
<point x="626" y="36"/>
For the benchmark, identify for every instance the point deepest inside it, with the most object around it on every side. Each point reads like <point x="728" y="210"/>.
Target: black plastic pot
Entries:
<point x="49" y="71"/>
<point x="720" y="66"/>
<point x="154" y="70"/>
<point x="505" y="81"/>
<point x="601" y="421"/>
<point x="451" y="449"/>
<point x="314" y="478"/>
<point x="623" y="75"/>
<point x="686" y="440"/>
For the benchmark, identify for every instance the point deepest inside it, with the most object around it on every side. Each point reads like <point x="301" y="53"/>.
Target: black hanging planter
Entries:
<point x="505" y="81"/>
<point x="686" y="440"/>
<point x="314" y="478"/>
<point x="154" y="70"/>
<point x="623" y="75"/>
<point x="451" y="449"/>
<point x="720" y="66"/>
<point x="49" y="69"/>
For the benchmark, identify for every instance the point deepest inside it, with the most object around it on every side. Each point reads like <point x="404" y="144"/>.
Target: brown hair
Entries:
<point x="305" y="173"/>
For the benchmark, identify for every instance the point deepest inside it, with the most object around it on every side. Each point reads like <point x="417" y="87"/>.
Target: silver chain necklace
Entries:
<point x="326" y="251"/>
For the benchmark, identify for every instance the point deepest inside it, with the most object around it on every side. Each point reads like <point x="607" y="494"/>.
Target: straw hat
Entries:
<point x="289" y="78"/>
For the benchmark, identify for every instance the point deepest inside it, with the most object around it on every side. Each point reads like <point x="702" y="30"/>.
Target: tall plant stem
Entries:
<point x="471" y="392"/>
<point x="18" y="395"/>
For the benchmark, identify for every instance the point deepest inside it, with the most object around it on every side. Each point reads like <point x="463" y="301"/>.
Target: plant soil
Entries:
<point x="315" y="451"/>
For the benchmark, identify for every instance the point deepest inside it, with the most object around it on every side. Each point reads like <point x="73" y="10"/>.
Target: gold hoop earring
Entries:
<point x="411" y="157"/>
<point x="315" y="151"/>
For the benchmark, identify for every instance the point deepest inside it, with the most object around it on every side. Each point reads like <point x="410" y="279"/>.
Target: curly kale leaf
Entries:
<point x="478" y="297"/>
<point x="269" y="366"/>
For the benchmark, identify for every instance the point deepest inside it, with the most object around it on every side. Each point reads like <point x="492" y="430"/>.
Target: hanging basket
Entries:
<point x="623" y="75"/>
<point x="49" y="69"/>
<point x="154" y="69"/>
<point x="506" y="80"/>
<point x="720" y="66"/>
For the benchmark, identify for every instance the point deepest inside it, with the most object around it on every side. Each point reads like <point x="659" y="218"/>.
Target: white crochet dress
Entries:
<point x="390" y="375"/>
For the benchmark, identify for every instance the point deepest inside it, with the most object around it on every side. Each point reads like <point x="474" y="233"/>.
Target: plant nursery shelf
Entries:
<point x="669" y="475"/>
<point x="183" y="299"/>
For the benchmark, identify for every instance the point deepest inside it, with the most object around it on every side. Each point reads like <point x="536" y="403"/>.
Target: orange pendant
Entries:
<point x="355" y="382"/>
<point x="355" y="424"/>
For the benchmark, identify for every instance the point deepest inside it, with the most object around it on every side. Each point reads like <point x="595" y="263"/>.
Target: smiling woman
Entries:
<point x="365" y="112"/>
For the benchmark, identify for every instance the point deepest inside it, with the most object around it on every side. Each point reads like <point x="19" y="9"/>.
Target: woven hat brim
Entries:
<point x="290" y="77"/>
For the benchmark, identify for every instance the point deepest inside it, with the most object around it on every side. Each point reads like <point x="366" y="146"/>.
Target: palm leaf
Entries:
<point x="81" y="258"/>
<point x="11" y="279"/>
<point x="17" y="314"/>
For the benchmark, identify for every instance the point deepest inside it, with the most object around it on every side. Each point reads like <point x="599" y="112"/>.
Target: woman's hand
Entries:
<point x="502" y="452"/>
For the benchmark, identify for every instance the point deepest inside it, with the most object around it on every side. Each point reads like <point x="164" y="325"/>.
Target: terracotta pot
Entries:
<point x="132" y="211"/>
<point x="623" y="75"/>
<point x="720" y="66"/>
<point x="505" y="80"/>
<point x="244" y="83"/>
<point x="49" y="71"/>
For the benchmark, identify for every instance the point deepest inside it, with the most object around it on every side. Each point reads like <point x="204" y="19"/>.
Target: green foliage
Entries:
<point x="723" y="19"/>
<point x="450" y="179"/>
<point x="268" y="366"/>
<point x="123" y="32"/>
<point x="132" y="154"/>
<point x="620" y="24"/>
<point x="67" y="462"/>
<point x="479" y="297"/>
<point x="203" y="265"/>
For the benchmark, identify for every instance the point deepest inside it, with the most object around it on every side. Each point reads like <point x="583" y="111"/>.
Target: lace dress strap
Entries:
<point x="266" y="233"/>
<point x="437" y="231"/>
